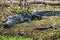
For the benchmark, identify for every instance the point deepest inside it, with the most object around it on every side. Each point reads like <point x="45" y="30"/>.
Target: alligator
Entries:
<point x="27" y="16"/>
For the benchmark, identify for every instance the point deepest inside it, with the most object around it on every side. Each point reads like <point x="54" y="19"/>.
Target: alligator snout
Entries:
<point x="5" y="25"/>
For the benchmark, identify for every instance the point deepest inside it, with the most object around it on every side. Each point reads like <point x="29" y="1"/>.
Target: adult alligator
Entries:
<point x="27" y="16"/>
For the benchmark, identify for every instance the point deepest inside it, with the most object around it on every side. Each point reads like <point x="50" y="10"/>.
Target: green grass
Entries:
<point x="7" y="37"/>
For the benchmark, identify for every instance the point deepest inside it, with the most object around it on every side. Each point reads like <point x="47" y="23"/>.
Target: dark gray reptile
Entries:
<point x="27" y="16"/>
